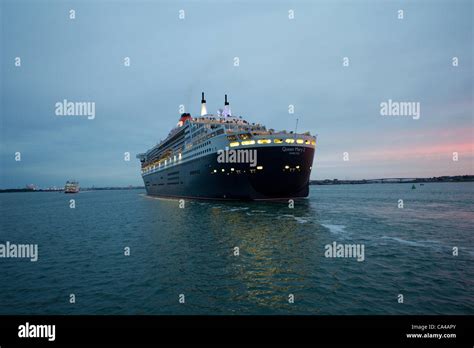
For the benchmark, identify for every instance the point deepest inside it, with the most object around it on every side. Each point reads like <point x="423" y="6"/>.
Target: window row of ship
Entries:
<point x="173" y="178"/>
<point x="166" y="158"/>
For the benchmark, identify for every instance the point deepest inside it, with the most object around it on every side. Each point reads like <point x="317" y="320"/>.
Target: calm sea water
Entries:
<point x="190" y="251"/>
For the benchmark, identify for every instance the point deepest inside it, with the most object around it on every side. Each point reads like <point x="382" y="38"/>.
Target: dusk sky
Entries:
<point x="283" y="61"/>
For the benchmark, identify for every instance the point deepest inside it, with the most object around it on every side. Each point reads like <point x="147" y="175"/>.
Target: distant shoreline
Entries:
<point x="458" y="178"/>
<point x="81" y="190"/>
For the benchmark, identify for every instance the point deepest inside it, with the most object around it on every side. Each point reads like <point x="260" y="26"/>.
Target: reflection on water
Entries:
<point x="270" y="265"/>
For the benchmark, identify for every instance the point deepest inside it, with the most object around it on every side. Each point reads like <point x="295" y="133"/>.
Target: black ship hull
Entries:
<point x="280" y="173"/>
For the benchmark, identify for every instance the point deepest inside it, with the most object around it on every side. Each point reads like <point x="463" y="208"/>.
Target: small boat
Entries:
<point x="413" y="187"/>
<point x="71" y="187"/>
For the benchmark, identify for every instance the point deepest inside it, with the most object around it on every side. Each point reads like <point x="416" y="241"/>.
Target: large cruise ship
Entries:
<point x="226" y="157"/>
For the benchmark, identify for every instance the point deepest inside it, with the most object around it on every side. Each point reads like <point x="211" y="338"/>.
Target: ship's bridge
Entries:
<point x="230" y="123"/>
<point x="241" y="132"/>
